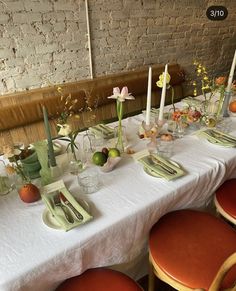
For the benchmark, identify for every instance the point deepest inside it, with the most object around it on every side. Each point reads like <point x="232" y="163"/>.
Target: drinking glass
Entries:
<point x="89" y="180"/>
<point x="165" y="148"/>
<point x="224" y="124"/>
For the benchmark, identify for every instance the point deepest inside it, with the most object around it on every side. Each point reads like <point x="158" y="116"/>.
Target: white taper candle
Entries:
<point x="231" y="74"/>
<point x="149" y="96"/>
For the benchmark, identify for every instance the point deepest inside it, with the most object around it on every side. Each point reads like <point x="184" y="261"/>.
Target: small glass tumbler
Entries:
<point x="165" y="148"/>
<point x="224" y="124"/>
<point x="89" y="180"/>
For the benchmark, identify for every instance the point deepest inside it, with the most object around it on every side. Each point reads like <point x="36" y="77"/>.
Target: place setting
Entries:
<point x="217" y="137"/>
<point x="63" y="211"/>
<point x="159" y="166"/>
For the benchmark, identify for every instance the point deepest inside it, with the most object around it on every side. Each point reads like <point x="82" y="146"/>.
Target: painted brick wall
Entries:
<point x="45" y="41"/>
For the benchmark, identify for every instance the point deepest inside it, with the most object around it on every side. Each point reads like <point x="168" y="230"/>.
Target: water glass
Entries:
<point x="165" y="148"/>
<point x="89" y="180"/>
<point x="224" y="124"/>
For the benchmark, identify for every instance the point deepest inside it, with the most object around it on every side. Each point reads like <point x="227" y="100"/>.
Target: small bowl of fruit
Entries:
<point x="107" y="159"/>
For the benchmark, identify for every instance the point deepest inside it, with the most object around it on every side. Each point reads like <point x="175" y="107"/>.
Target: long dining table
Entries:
<point x="126" y="206"/>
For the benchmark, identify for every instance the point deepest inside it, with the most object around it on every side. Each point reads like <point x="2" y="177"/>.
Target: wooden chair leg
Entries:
<point x="151" y="278"/>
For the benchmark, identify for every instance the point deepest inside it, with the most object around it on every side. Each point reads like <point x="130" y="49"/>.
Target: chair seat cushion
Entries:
<point x="190" y="246"/>
<point x="100" y="280"/>
<point x="226" y="197"/>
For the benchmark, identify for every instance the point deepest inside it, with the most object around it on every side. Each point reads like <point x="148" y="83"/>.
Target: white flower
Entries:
<point x="121" y="96"/>
<point x="65" y="129"/>
<point x="10" y="152"/>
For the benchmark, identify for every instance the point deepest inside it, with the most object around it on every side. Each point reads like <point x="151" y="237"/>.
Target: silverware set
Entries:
<point x="220" y="136"/>
<point x="155" y="161"/>
<point x="67" y="208"/>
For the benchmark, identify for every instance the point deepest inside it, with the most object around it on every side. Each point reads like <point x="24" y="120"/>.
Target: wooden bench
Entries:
<point x="21" y="117"/>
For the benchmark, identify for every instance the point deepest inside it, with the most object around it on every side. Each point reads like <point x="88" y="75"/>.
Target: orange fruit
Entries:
<point x="29" y="193"/>
<point x="232" y="106"/>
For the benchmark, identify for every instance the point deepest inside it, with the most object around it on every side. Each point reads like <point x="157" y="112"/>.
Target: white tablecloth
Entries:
<point x="129" y="202"/>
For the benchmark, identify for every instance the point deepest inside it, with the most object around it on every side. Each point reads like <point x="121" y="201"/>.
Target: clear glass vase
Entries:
<point x="6" y="181"/>
<point x="120" y="137"/>
<point x="74" y="154"/>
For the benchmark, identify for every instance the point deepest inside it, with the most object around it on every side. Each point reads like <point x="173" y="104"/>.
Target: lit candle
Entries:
<point x="51" y="154"/>
<point x="163" y="95"/>
<point x="149" y="96"/>
<point x="231" y="74"/>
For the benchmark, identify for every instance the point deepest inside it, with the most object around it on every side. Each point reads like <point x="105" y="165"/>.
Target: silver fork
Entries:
<point x="57" y="202"/>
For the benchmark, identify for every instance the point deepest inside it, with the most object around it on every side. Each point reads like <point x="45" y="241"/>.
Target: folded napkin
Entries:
<point x="102" y="130"/>
<point x="49" y="191"/>
<point x="159" y="166"/>
<point x="217" y="137"/>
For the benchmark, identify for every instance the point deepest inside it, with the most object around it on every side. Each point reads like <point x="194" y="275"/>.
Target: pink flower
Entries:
<point x="121" y="96"/>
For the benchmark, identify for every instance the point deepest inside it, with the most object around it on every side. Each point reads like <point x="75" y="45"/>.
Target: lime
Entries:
<point x="113" y="152"/>
<point x="99" y="158"/>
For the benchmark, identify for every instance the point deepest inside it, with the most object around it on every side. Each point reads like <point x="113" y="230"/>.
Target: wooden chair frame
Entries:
<point x="154" y="269"/>
<point x="221" y="211"/>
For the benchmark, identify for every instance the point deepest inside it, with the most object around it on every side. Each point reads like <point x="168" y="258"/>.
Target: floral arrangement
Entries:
<point x="120" y="97"/>
<point x="188" y="115"/>
<point x="67" y="106"/>
<point x="14" y="156"/>
<point x="63" y="124"/>
<point x="209" y="87"/>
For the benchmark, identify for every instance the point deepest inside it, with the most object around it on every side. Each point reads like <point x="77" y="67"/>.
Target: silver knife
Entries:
<point x="72" y="208"/>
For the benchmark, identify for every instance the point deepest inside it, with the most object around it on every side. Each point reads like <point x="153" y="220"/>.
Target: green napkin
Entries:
<point x="102" y="130"/>
<point x="153" y="167"/>
<point x="217" y="137"/>
<point x="49" y="191"/>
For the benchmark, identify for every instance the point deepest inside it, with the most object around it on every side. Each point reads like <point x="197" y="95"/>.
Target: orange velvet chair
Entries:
<point x="225" y="200"/>
<point x="100" y="279"/>
<point x="193" y="250"/>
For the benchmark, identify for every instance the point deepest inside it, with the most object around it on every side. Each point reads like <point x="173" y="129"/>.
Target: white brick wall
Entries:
<point x="44" y="41"/>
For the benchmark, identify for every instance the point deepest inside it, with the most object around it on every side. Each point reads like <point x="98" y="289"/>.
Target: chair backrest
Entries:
<point x="223" y="271"/>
